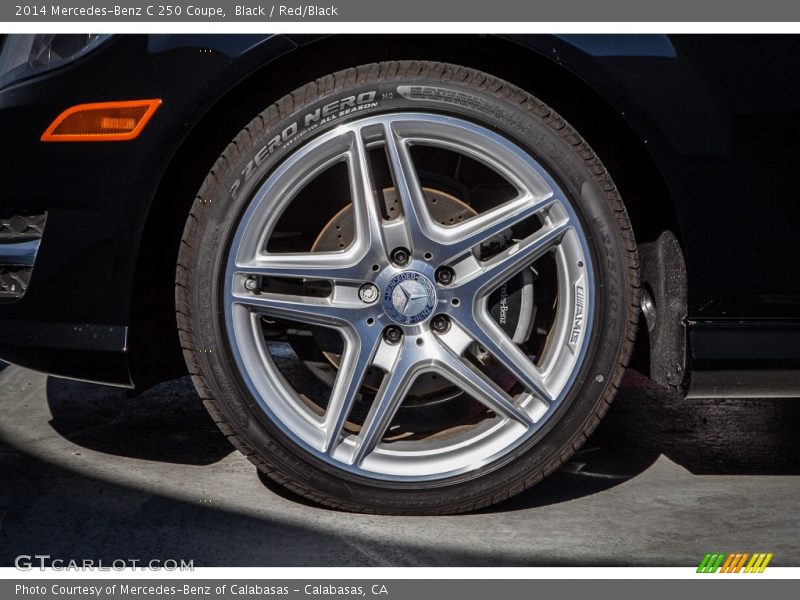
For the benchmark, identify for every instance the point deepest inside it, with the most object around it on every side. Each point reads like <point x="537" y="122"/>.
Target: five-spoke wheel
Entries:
<point x="411" y="298"/>
<point x="412" y="291"/>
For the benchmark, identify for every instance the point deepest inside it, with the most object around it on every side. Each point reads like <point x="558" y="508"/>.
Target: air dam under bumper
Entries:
<point x="95" y="353"/>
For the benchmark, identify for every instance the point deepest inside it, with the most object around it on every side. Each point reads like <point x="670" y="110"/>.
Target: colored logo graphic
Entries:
<point x="734" y="563"/>
<point x="409" y="298"/>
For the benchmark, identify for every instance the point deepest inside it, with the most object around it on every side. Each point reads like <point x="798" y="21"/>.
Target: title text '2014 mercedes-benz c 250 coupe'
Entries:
<point x="405" y="273"/>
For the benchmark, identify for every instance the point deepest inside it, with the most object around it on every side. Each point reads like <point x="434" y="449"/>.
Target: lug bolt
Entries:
<point x="250" y="284"/>
<point x="445" y="275"/>
<point x="368" y="293"/>
<point x="392" y="335"/>
<point x="400" y="257"/>
<point x="440" y="323"/>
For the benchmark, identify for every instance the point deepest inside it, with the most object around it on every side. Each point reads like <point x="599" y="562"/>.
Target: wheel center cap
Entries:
<point x="409" y="298"/>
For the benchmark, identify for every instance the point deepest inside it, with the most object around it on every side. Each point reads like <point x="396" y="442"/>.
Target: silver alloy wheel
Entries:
<point x="545" y="382"/>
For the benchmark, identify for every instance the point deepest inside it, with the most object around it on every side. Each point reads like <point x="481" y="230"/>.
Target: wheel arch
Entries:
<point x="152" y="295"/>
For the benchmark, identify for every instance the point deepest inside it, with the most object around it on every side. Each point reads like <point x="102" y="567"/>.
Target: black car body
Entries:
<point x="699" y="132"/>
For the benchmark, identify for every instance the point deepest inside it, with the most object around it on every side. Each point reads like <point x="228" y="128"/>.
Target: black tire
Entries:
<point x="471" y="95"/>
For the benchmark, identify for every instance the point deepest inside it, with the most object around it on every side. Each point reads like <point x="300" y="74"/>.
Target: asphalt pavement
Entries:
<point x="87" y="472"/>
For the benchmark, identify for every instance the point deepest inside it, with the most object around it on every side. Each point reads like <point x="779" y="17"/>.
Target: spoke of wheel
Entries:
<point x="307" y="265"/>
<point x="482" y="227"/>
<point x="408" y="188"/>
<point x="356" y="359"/>
<point x="367" y="217"/>
<point x="505" y="351"/>
<point x="481" y="387"/>
<point x="304" y="309"/>
<point x="396" y="384"/>
<point x="504" y="266"/>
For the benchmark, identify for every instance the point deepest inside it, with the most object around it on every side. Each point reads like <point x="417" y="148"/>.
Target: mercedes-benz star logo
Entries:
<point x="409" y="298"/>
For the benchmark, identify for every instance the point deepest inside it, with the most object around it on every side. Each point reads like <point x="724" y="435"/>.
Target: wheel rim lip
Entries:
<point x="398" y="463"/>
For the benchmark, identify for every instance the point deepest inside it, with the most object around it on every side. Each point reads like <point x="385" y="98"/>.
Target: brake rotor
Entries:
<point x="338" y="233"/>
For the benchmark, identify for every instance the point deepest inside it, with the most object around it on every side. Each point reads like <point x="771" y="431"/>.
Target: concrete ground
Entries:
<point x="86" y="472"/>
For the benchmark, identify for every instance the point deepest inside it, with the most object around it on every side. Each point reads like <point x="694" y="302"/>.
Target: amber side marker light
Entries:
<point x="101" y="121"/>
